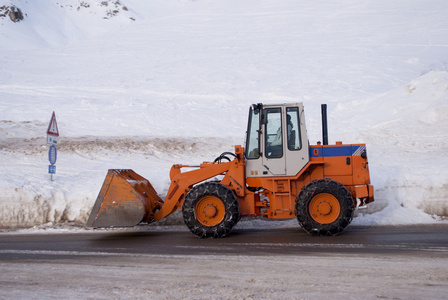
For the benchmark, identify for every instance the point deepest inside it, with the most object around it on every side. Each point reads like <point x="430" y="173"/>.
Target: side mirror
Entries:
<point x="264" y="118"/>
<point x="257" y="107"/>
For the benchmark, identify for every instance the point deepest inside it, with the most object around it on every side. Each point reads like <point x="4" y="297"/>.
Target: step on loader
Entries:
<point x="277" y="175"/>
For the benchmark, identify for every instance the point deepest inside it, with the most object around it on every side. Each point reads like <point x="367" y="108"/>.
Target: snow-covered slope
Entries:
<point x="145" y="84"/>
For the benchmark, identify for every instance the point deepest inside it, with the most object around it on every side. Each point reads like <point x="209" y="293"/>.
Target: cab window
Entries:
<point x="273" y="136"/>
<point x="293" y="124"/>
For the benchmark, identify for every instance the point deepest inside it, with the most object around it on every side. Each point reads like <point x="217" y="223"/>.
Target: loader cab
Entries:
<point x="276" y="141"/>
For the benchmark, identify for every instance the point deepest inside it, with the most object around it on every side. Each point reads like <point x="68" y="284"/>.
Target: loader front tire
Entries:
<point x="210" y="210"/>
<point x="324" y="207"/>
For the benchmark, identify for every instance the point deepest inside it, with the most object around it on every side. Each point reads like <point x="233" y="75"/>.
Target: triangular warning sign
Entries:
<point x="53" y="126"/>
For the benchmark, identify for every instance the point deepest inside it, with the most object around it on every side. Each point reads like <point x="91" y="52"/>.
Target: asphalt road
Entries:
<point x="408" y="240"/>
<point x="146" y="263"/>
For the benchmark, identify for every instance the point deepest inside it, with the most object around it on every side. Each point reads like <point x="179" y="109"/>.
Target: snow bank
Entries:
<point x="49" y="23"/>
<point x="406" y="132"/>
<point x="145" y="84"/>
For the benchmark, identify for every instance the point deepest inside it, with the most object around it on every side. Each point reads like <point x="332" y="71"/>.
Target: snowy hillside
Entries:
<point x="146" y="84"/>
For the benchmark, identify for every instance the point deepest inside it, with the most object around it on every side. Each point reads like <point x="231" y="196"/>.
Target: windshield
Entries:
<point x="252" y="138"/>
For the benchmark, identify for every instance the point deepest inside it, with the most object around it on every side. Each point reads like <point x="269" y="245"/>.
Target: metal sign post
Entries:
<point x="52" y="139"/>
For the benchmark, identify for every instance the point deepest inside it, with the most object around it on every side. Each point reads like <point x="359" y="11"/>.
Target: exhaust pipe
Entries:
<point x="324" y="125"/>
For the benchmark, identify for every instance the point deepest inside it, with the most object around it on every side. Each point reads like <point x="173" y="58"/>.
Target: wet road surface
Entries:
<point x="401" y="240"/>
<point x="409" y="262"/>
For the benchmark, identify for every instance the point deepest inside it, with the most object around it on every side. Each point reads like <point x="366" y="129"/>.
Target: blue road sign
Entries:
<point x="52" y="169"/>
<point x="52" y="154"/>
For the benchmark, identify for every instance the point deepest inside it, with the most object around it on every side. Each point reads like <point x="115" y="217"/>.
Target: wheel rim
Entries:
<point x="210" y="211"/>
<point x="324" y="208"/>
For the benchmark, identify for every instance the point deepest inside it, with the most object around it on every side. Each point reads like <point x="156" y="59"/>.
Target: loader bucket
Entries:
<point x="125" y="199"/>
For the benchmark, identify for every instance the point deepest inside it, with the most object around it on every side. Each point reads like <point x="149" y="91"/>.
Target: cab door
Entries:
<point x="274" y="162"/>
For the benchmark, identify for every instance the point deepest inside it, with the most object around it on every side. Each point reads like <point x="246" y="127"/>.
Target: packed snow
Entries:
<point x="147" y="84"/>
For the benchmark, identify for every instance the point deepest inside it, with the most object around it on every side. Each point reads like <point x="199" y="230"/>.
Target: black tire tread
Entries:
<point x="232" y="210"/>
<point x="334" y="188"/>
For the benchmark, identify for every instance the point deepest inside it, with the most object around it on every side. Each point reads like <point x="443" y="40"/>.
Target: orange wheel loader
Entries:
<point x="277" y="175"/>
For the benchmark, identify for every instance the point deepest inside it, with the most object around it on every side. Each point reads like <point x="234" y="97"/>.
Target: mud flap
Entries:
<point x="125" y="199"/>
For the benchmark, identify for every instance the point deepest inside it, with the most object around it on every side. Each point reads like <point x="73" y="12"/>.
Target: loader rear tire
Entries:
<point x="210" y="210"/>
<point x="324" y="207"/>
